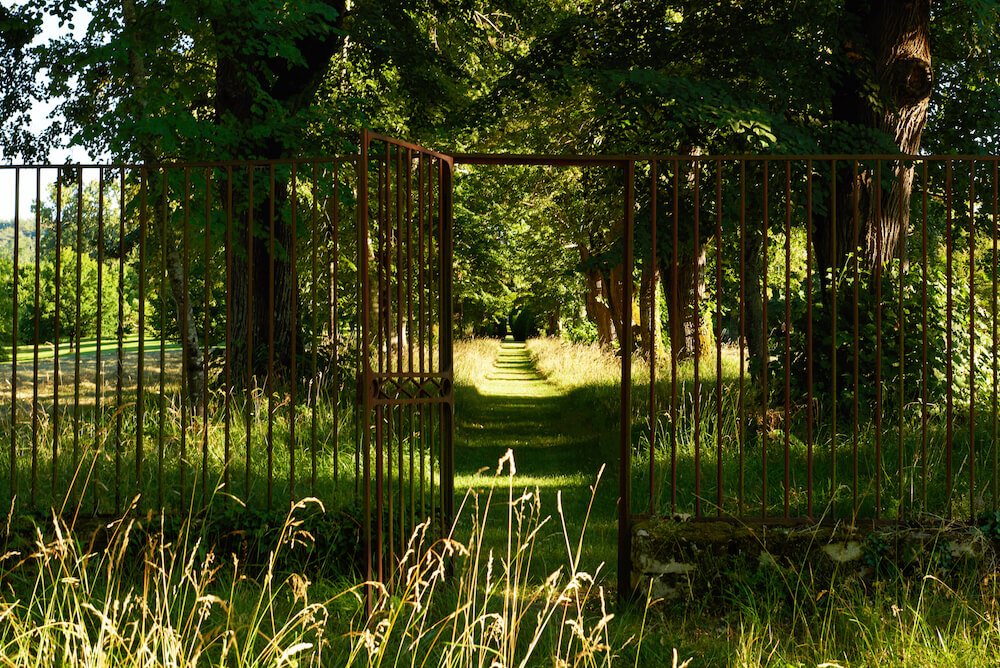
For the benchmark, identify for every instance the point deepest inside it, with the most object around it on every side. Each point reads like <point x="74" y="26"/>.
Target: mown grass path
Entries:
<point x="558" y="444"/>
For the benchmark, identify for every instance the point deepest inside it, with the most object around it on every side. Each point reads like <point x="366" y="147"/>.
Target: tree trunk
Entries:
<point x="886" y="46"/>
<point x="187" y="327"/>
<point x="596" y="308"/>
<point x="612" y="284"/>
<point x="684" y="303"/>
<point x="262" y="293"/>
<point x="263" y="288"/>
<point x="684" y="285"/>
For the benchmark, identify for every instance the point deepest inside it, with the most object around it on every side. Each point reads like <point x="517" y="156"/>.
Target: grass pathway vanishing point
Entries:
<point x="558" y="444"/>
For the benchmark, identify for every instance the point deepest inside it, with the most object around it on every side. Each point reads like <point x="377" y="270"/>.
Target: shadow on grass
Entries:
<point x="559" y="445"/>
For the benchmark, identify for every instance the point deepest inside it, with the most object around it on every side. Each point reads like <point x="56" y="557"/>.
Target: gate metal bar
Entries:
<point x="99" y="411"/>
<point x="407" y="392"/>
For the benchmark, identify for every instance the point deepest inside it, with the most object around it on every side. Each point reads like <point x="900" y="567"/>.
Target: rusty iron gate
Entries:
<point x="182" y="332"/>
<point x="405" y="259"/>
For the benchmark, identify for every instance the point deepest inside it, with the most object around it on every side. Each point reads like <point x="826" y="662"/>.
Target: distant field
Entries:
<point x="67" y="357"/>
<point x="88" y="348"/>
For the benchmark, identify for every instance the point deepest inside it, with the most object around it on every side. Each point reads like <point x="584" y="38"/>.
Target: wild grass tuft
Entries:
<point x="135" y="593"/>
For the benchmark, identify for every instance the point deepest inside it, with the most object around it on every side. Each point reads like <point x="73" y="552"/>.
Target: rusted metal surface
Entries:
<point x="406" y="350"/>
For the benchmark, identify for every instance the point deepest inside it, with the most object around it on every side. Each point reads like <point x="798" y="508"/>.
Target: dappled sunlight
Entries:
<point x="561" y="443"/>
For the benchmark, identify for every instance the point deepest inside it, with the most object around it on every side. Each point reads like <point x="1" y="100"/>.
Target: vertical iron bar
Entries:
<point x="765" y="352"/>
<point x="428" y="321"/>
<point x="207" y="278"/>
<point x="718" y="337"/>
<point x="834" y="396"/>
<point x="653" y="176"/>
<point x="972" y="341"/>
<point x="900" y="462"/>
<point x="120" y="367"/>
<point x="98" y="360"/>
<point x="250" y="378"/>
<point x="809" y="339"/>
<point x="379" y="338"/>
<point x="56" y="371"/>
<point x="13" y="342"/>
<point x="140" y="398"/>
<point x="625" y="443"/>
<point x="398" y="241"/>
<point x="335" y="329"/>
<point x="948" y="339"/>
<point x="855" y="187"/>
<point x="229" y="333"/>
<point x="447" y="189"/>
<point x="444" y="330"/>
<point x="421" y="332"/>
<point x="34" y="368"/>
<point x="993" y="348"/>
<point x="185" y="325"/>
<point x="76" y="333"/>
<point x="923" y="344"/>
<point x="741" y="430"/>
<point x="675" y="317"/>
<point x="365" y="361"/>
<point x="696" y="166"/>
<point x="313" y="380"/>
<point x="409" y="318"/>
<point x="386" y="341"/>
<point x="293" y="331"/>
<point x="269" y="443"/>
<point x="878" y="338"/>
<point x="163" y="340"/>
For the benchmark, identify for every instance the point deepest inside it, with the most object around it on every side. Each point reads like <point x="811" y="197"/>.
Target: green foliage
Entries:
<point x="929" y="365"/>
<point x="73" y="265"/>
<point x="989" y="524"/>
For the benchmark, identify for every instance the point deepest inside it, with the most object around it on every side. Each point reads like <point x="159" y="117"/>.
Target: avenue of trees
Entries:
<point x="197" y="80"/>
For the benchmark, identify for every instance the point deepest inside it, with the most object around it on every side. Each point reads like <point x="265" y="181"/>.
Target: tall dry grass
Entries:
<point x="149" y="598"/>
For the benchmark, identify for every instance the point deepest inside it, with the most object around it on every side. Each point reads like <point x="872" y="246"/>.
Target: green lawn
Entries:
<point x="558" y="449"/>
<point x="88" y="348"/>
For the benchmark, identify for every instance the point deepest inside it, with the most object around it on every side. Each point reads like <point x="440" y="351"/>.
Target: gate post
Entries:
<point x="364" y="372"/>
<point x="446" y="351"/>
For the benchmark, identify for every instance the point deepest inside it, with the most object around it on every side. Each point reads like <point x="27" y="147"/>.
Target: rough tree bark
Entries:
<point x="886" y="47"/>
<point x="240" y="84"/>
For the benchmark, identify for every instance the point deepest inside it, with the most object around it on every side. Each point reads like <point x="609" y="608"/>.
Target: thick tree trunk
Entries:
<point x="683" y="303"/>
<point x="263" y="286"/>
<point x="262" y="293"/>
<point x="886" y="47"/>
